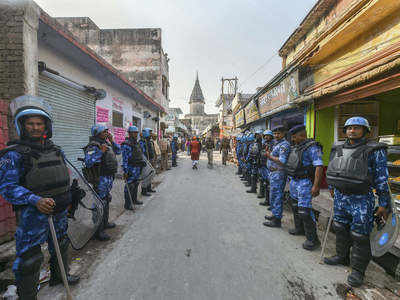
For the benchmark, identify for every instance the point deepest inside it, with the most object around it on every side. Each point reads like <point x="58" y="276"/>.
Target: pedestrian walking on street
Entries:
<point x="277" y="159"/>
<point x="100" y="153"/>
<point x="225" y="149"/>
<point x="356" y="168"/>
<point x="188" y="147"/>
<point x="36" y="191"/>
<point x="305" y="170"/>
<point x="132" y="164"/>
<point x="195" y="148"/>
<point x="209" y="145"/>
<point x="174" y="149"/>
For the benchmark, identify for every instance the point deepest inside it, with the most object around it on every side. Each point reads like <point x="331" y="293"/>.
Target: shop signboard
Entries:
<point x="292" y="86"/>
<point x="282" y="93"/>
<point x="235" y="103"/>
<point x="239" y="118"/>
<point x="251" y="112"/>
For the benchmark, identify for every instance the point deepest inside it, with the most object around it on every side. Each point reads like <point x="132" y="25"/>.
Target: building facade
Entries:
<point x="136" y="52"/>
<point x="42" y="58"/>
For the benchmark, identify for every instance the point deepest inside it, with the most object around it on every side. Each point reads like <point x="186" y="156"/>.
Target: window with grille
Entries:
<point x="118" y="119"/>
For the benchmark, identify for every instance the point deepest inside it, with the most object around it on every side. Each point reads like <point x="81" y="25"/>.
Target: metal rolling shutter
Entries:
<point x="73" y="114"/>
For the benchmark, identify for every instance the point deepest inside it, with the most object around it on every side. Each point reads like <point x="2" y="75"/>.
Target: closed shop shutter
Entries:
<point x="73" y="113"/>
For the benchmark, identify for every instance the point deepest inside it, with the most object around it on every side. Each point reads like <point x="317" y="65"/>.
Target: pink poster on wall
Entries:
<point x="119" y="134"/>
<point x="101" y="114"/>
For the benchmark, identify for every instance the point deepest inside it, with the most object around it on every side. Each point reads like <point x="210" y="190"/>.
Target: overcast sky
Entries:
<point x="219" y="38"/>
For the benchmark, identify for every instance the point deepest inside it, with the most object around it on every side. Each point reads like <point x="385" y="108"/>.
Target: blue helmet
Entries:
<point x="133" y="129"/>
<point x="146" y="132"/>
<point x="360" y="121"/>
<point x="268" y="132"/>
<point x="251" y="137"/>
<point x="97" y="129"/>
<point x="27" y="105"/>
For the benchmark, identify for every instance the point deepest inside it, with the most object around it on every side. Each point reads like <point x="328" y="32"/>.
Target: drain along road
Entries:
<point x="201" y="237"/>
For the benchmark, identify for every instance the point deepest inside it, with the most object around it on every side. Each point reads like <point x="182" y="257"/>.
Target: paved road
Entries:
<point x="201" y="238"/>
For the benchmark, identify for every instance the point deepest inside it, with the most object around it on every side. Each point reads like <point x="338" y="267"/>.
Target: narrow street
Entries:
<point x="201" y="237"/>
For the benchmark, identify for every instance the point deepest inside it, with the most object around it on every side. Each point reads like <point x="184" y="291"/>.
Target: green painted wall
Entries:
<point x="324" y="130"/>
<point x="389" y="113"/>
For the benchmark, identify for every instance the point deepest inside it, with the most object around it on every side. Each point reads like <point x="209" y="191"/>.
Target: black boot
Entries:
<point x="248" y="180"/>
<point x="266" y="201"/>
<point x="310" y="229"/>
<point x="343" y="244"/>
<point x="144" y="192"/>
<point x="275" y="222"/>
<point x="269" y="218"/>
<point x="29" y="270"/>
<point x="261" y="193"/>
<point x="107" y="225"/>
<point x="253" y="189"/>
<point x="55" y="274"/>
<point x="390" y="263"/>
<point x="298" y="222"/>
<point x="100" y="234"/>
<point x="239" y="171"/>
<point x="360" y="257"/>
<point x="150" y="190"/>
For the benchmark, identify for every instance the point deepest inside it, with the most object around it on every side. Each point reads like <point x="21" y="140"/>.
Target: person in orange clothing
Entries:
<point x="195" y="147"/>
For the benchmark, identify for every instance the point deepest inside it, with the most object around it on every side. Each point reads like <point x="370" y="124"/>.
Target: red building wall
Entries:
<point x="7" y="217"/>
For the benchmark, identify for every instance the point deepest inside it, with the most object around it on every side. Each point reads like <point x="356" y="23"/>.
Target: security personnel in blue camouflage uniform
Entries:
<point x="238" y="150"/>
<point x="146" y="144"/>
<point x="101" y="153"/>
<point x="174" y="149"/>
<point x="132" y="164"/>
<point x="253" y="159"/>
<point x="250" y="139"/>
<point x="34" y="178"/>
<point x="267" y="145"/>
<point x="356" y="168"/>
<point x="277" y="159"/>
<point x="243" y="154"/>
<point x="305" y="170"/>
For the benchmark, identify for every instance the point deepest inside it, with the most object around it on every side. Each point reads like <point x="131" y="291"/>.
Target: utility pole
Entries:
<point x="229" y="87"/>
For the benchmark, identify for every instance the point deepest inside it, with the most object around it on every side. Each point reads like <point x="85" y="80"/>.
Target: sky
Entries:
<point x="217" y="38"/>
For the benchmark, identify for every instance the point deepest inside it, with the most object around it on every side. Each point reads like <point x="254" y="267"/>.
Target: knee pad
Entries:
<point x="359" y="238"/>
<point x="341" y="227"/>
<point x="294" y="202"/>
<point x="304" y="213"/>
<point x="31" y="261"/>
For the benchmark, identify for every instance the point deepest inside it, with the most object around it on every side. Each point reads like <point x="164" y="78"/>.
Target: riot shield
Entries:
<point x="147" y="173"/>
<point x="86" y="211"/>
<point x="384" y="234"/>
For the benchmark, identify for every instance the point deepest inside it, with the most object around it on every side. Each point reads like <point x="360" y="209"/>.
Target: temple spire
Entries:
<point x="197" y="93"/>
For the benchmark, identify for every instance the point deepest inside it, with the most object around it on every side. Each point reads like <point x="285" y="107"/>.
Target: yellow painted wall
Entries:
<point x="381" y="36"/>
<point x="375" y="27"/>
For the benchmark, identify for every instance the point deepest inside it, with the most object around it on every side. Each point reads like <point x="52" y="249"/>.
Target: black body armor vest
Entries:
<point x="348" y="167"/>
<point x="45" y="173"/>
<point x="109" y="163"/>
<point x="294" y="165"/>
<point x="136" y="159"/>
